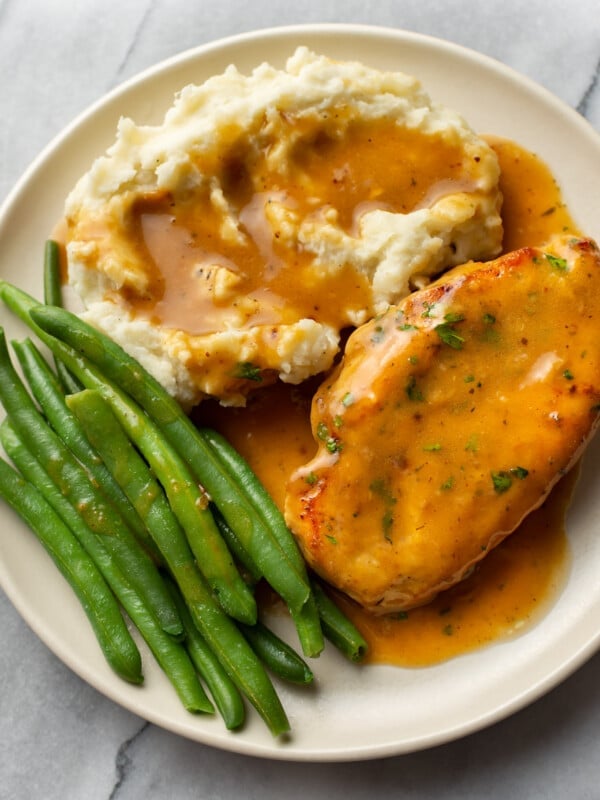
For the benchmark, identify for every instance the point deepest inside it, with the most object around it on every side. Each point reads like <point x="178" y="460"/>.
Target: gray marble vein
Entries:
<point x="59" y="738"/>
<point x="590" y="95"/>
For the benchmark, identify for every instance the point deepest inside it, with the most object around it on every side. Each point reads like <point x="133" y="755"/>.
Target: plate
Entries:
<point x="353" y="712"/>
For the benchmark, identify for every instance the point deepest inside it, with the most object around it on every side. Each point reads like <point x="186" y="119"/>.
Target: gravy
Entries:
<point x="517" y="581"/>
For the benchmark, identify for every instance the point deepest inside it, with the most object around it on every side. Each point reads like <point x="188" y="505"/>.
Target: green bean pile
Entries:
<point x="145" y="514"/>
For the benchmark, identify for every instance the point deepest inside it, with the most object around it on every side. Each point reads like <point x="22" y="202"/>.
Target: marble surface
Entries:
<point x="59" y="738"/>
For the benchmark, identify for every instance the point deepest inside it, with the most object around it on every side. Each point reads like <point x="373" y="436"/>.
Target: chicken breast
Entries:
<point x="449" y="419"/>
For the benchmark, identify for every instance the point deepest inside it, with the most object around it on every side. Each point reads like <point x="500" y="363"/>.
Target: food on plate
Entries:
<point x="449" y="419"/>
<point x="230" y="245"/>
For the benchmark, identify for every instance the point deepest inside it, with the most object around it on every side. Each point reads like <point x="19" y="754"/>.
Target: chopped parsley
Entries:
<point x="332" y="443"/>
<point x="472" y="444"/>
<point x="502" y="481"/>
<point x="556" y="262"/>
<point x="347" y="399"/>
<point x="453" y="316"/>
<point x="568" y="375"/>
<point x="322" y="431"/>
<point x="248" y="371"/>
<point x="489" y="319"/>
<point x="449" y="336"/>
<point x="379" y="486"/>
<point x="412" y="390"/>
<point x="431" y="448"/>
<point x="428" y="309"/>
<point x="311" y="478"/>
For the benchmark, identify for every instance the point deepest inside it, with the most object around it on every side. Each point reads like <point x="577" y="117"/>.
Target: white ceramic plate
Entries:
<point x="352" y="712"/>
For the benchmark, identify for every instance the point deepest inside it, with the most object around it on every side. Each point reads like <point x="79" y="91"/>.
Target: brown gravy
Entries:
<point x="517" y="581"/>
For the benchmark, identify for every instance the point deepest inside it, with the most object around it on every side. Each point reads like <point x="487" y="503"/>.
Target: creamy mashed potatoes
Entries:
<point x="233" y="243"/>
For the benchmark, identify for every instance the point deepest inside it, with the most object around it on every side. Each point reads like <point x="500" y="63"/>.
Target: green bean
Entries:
<point x="91" y="504"/>
<point x="139" y="484"/>
<point x="48" y="392"/>
<point x="186" y="498"/>
<point x="306" y="619"/>
<point x="276" y="654"/>
<point x="337" y="627"/>
<point x="222" y="487"/>
<point x="170" y="654"/>
<point x="241" y="555"/>
<point x="223" y="690"/>
<point x="228" y="645"/>
<point x="53" y="297"/>
<point x="83" y="576"/>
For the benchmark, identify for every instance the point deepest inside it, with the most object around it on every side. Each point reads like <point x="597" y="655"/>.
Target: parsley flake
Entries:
<point x="248" y="371"/>
<point x="502" y="481"/>
<point x="449" y="336"/>
<point x="556" y="262"/>
<point x="412" y="390"/>
<point x="453" y="316"/>
<point x="519" y="472"/>
<point x="322" y="431"/>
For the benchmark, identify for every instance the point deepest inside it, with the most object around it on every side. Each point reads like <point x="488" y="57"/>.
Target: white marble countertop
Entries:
<point x="59" y="738"/>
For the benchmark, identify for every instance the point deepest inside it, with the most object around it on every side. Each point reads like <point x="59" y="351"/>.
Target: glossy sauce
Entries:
<point x="516" y="582"/>
<point x="261" y="274"/>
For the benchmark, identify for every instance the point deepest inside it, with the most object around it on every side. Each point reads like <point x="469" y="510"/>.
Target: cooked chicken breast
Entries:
<point x="450" y="418"/>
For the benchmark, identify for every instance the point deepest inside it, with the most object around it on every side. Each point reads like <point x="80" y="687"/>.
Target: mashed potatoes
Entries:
<point x="233" y="243"/>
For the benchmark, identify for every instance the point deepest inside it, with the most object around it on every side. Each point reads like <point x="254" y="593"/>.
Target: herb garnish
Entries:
<point x="412" y="390"/>
<point x="556" y="262"/>
<point x="332" y="443"/>
<point x="502" y="480"/>
<point x="449" y="336"/>
<point x="379" y="487"/>
<point x="248" y="371"/>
